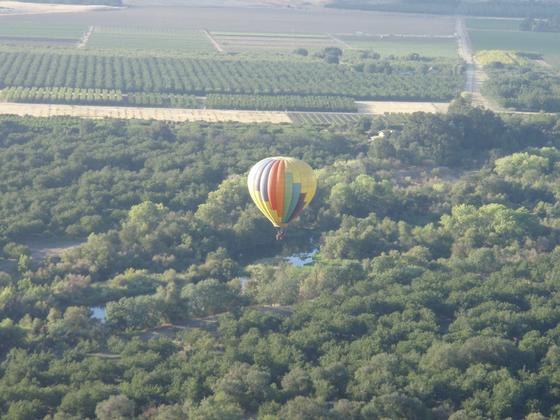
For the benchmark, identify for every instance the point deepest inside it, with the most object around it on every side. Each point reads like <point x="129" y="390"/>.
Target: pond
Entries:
<point x="98" y="313"/>
<point x="301" y="259"/>
<point x="297" y="260"/>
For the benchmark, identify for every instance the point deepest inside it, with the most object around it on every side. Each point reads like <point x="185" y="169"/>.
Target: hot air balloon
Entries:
<point x="281" y="187"/>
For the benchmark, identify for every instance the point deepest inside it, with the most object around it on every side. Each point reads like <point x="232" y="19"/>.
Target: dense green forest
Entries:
<point x="527" y="87"/>
<point x="428" y="79"/>
<point x="506" y="8"/>
<point x="433" y="295"/>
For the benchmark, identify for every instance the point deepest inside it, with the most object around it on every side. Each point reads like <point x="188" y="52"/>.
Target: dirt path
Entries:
<point x="340" y="42"/>
<point x="83" y="42"/>
<point x="465" y="52"/>
<point x="475" y="74"/>
<point x="42" y="248"/>
<point x="213" y="41"/>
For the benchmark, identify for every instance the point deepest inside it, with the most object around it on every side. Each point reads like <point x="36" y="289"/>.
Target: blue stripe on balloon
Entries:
<point x="296" y="190"/>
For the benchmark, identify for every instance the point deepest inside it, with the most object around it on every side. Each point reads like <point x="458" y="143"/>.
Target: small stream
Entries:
<point x="302" y="259"/>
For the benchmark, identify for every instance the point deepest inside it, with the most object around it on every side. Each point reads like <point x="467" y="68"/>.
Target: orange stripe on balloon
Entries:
<point x="272" y="185"/>
<point x="280" y="189"/>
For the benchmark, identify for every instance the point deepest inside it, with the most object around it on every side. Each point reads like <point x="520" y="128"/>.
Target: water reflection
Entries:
<point x="98" y="312"/>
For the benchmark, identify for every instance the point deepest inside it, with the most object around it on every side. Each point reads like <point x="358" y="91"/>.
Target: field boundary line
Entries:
<point x="215" y="43"/>
<point x="340" y="42"/>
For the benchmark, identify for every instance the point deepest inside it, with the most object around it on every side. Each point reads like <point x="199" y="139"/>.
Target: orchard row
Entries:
<point x="202" y="76"/>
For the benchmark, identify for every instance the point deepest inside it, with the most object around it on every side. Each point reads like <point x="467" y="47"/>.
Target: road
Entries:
<point x="215" y="43"/>
<point x="85" y="38"/>
<point x="475" y="74"/>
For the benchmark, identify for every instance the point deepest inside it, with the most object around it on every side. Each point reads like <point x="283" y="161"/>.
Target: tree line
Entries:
<point x="524" y="87"/>
<point x="288" y="103"/>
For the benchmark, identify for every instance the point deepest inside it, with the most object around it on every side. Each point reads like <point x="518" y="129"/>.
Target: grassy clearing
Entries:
<point x="45" y="31"/>
<point x="545" y="43"/>
<point x="146" y="39"/>
<point x="433" y="47"/>
<point x="493" y="24"/>
<point x="496" y="56"/>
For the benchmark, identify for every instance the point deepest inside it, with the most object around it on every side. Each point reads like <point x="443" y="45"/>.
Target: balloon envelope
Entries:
<point x="281" y="187"/>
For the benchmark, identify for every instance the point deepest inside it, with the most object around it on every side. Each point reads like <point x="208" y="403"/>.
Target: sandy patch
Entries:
<point x="383" y="107"/>
<point x="10" y="8"/>
<point x="162" y="114"/>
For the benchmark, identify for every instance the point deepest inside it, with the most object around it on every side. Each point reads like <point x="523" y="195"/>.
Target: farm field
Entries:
<point x="493" y="24"/>
<point x="402" y="46"/>
<point x="545" y="43"/>
<point x="40" y="34"/>
<point x="202" y="76"/>
<point x="149" y="39"/>
<point x="254" y="19"/>
<point x="237" y="42"/>
<point x="37" y="30"/>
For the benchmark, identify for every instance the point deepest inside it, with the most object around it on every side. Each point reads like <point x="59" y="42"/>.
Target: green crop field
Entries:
<point x="433" y="47"/>
<point x="240" y="41"/>
<point x="493" y="24"/>
<point x="147" y="39"/>
<point x="545" y="43"/>
<point x="38" y="31"/>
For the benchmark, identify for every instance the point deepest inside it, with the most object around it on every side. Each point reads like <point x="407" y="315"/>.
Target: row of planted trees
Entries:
<point x="116" y="97"/>
<point x="289" y="103"/>
<point x="65" y="95"/>
<point x="224" y="76"/>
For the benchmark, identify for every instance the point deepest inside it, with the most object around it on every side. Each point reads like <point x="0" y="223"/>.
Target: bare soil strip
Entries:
<point x="385" y="107"/>
<point x="162" y="114"/>
<point x="476" y="76"/>
<point x="340" y="42"/>
<point x="213" y="41"/>
<point x="207" y="115"/>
